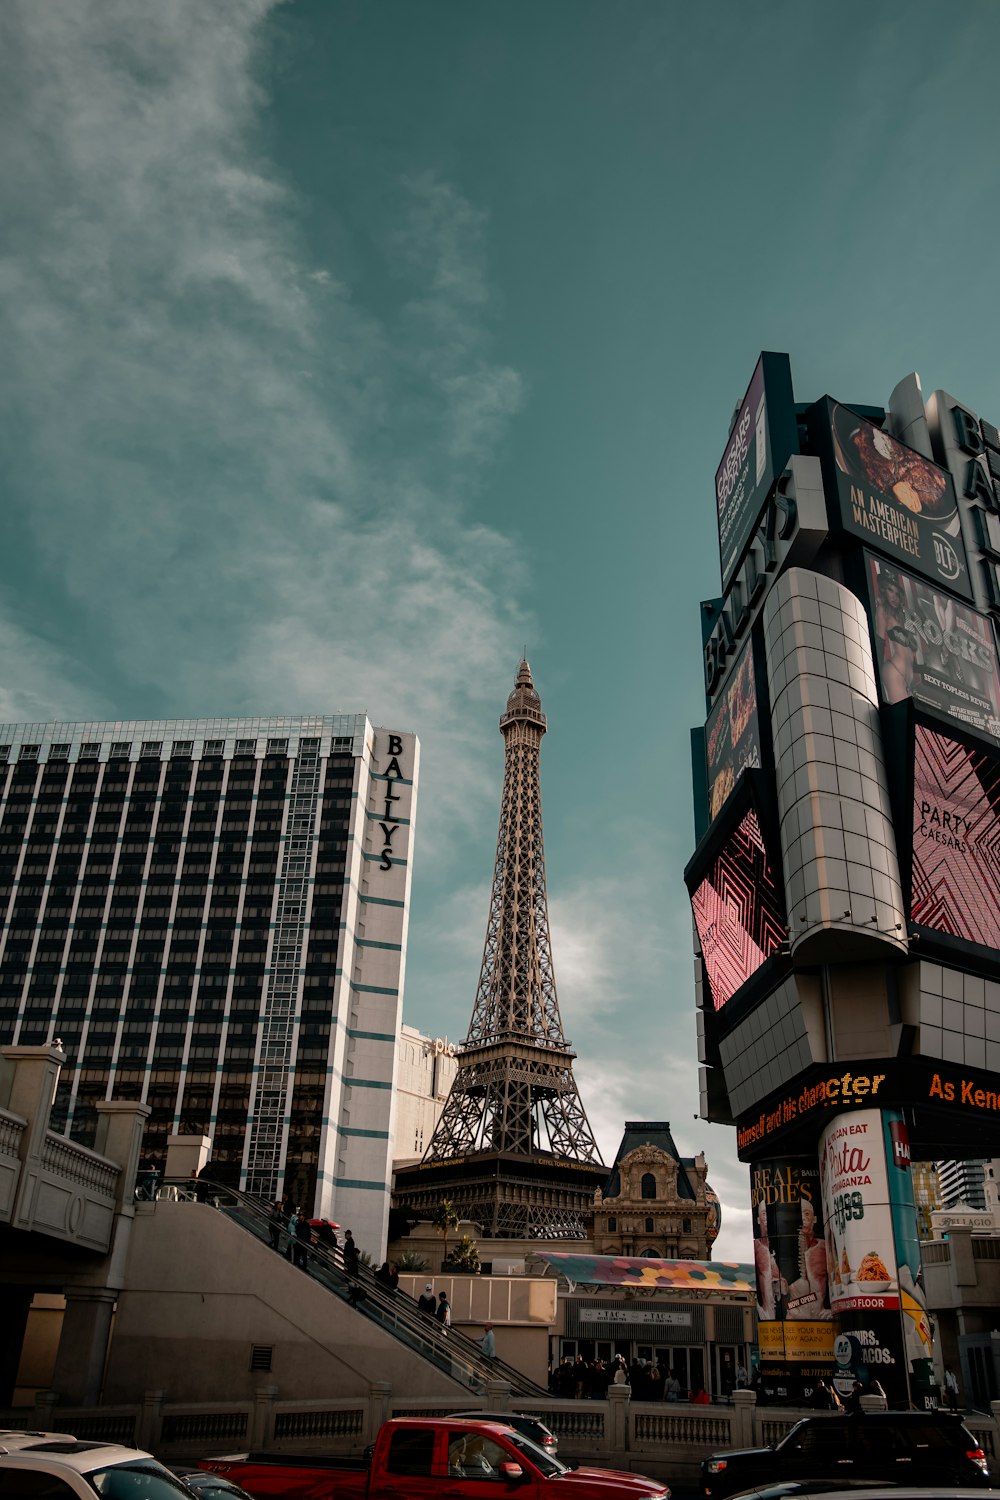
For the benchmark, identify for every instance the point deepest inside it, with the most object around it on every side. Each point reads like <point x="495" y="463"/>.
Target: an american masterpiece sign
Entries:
<point x="895" y="499"/>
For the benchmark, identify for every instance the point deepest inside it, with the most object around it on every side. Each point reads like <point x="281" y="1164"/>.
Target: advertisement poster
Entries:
<point x="763" y="437"/>
<point x="738" y="912"/>
<point x="955" y="884"/>
<point x="874" y="1255"/>
<point x="897" y="500"/>
<point x="732" y="733"/>
<point x="932" y="648"/>
<point x="790" y="1262"/>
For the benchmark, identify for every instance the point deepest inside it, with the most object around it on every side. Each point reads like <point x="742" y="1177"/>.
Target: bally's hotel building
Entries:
<point x="210" y="915"/>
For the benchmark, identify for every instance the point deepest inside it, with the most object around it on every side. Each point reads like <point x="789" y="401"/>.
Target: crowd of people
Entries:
<point x="588" y="1380"/>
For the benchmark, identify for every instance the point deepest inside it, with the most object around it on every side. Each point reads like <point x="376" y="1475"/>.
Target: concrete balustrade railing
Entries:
<point x="666" y="1441"/>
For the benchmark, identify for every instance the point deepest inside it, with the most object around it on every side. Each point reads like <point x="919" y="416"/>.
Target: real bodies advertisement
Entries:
<point x="930" y="647"/>
<point x="790" y="1260"/>
<point x="873" y="1254"/>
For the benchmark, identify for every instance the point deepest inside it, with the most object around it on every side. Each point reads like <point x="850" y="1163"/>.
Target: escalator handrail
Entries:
<point x="461" y="1349"/>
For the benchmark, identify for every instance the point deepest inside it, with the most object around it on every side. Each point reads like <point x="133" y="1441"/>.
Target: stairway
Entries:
<point x="453" y="1353"/>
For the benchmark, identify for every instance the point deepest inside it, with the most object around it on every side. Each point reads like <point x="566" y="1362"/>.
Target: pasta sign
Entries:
<point x="860" y="1252"/>
<point x="872" y="1249"/>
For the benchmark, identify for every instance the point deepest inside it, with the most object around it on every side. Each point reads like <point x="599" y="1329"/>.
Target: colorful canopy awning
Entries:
<point x="652" y="1275"/>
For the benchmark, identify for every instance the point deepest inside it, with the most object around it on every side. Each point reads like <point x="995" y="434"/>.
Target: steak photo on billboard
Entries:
<point x="897" y="500"/>
<point x="933" y="648"/>
<point x="956" y="839"/>
<point x="738" y="912"/>
<point x="732" y="733"/>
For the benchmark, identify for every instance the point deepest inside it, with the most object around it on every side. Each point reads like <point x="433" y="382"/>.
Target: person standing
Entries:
<point x="427" y="1302"/>
<point x="853" y="1403"/>
<point x="274" y="1226"/>
<point x="488" y="1343"/>
<point x="293" y="1227"/>
<point x="443" y="1313"/>
<point x="387" y="1275"/>
<point x="352" y="1259"/>
<point x="303" y="1239"/>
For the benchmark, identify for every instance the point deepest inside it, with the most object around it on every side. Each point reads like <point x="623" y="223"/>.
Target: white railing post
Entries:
<point x="262" y="1415"/>
<point x="498" y="1395"/>
<point x="618" y="1399"/>
<point x="744" y="1414"/>
<point x="150" y="1420"/>
<point x="45" y="1405"/>
<point x="377" y="1408"/>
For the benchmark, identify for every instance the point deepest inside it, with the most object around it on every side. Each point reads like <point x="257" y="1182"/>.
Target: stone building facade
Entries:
<point x="655" y="1203"/>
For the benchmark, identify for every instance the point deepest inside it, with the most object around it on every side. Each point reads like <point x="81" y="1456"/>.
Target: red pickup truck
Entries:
<point x="424" y="1458"/>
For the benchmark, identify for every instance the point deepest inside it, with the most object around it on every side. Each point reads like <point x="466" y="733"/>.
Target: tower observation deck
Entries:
<point x="514" y="1150"/>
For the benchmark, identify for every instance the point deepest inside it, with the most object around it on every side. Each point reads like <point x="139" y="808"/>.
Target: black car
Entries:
<point x="209" y="1486"/>
<point x="880" y="1447"/>
<point x="528" y="1426"/>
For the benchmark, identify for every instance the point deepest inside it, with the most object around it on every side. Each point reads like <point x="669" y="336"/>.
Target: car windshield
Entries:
<point x="138" y="1479"/>
<point x="542" y="1462"/>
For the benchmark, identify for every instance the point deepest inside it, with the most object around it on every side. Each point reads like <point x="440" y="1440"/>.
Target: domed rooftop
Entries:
<point x="523" y="701"/>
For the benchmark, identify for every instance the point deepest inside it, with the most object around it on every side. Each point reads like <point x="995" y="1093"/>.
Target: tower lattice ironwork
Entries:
<point x="513" y="1149"/>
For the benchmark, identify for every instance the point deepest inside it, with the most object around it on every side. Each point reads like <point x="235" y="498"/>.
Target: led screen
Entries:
<point x="933" y="648"/>
<point x="738" y="912"/>
<point x="956" y="839"/>
<point x="732" y="734"/>
<point x="762" y="436"/>
<point x="897" y="500"/>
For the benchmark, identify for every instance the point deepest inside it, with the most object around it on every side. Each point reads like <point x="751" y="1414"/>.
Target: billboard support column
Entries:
<point x="873" y="1252"/>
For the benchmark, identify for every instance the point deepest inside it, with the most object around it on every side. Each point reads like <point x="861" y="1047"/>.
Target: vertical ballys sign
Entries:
<point x="762" y="439"/>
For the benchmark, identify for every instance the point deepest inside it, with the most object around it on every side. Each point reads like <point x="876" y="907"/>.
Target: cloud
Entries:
<point x="44" y="685"/>
<point x="247" y="483"/>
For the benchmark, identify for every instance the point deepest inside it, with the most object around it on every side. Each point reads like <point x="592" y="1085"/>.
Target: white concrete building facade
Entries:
<point x="211" y="916"/>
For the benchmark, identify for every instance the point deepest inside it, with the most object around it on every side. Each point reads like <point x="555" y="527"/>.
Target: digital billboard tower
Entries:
<point x="845" y="886"/>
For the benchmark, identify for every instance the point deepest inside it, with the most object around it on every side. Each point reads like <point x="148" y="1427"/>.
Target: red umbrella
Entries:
<point x="318" y="1223"/>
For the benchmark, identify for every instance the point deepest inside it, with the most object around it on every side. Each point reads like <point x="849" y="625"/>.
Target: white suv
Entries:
<point x="55" y="1466"/>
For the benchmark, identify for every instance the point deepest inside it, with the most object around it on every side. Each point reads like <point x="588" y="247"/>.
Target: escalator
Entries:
<point x="453" y="1352"/>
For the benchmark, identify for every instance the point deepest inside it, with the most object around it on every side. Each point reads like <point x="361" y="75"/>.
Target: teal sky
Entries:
<point x="348" y="347"/>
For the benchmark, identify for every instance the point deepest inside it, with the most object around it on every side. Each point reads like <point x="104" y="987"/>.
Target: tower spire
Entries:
<point x="513" y="1115"/>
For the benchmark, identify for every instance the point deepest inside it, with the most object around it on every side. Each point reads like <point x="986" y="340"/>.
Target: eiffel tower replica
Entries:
<point x="513" y="1150"/>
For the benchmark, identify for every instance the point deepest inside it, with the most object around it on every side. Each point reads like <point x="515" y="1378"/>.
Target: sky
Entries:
<point x="352" y="347"/>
